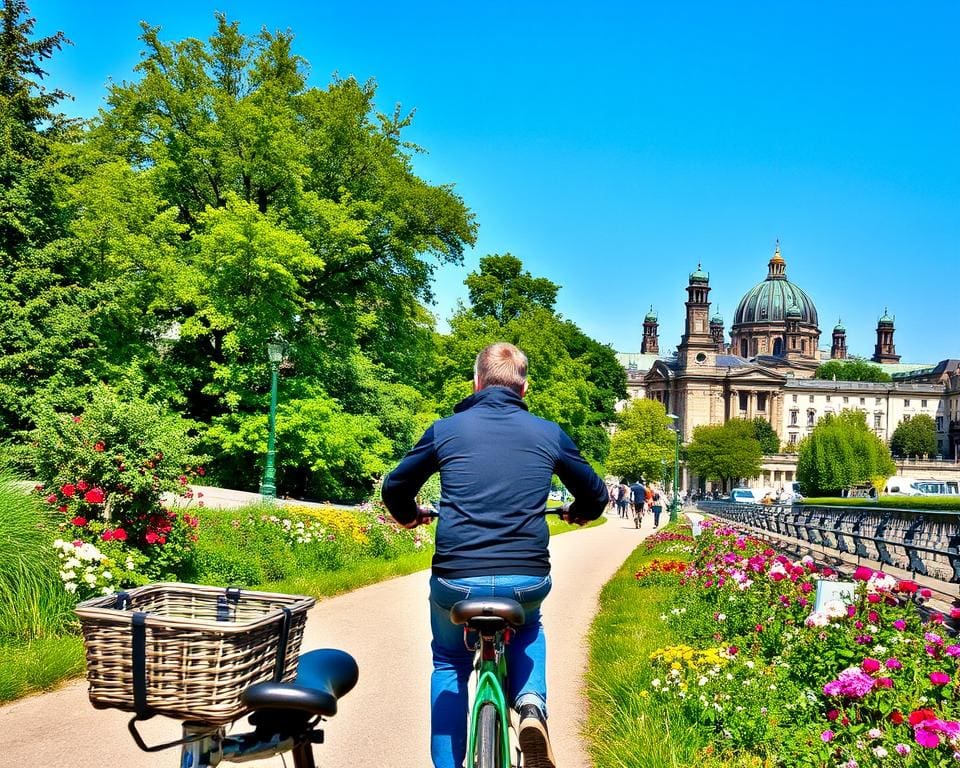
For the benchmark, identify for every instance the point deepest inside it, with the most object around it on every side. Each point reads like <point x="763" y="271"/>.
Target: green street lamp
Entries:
<point x="675" y="503"/>
<point x="268" y="487"/>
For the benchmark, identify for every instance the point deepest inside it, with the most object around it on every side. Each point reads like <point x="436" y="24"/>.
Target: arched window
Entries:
<point x="777" y="347"/>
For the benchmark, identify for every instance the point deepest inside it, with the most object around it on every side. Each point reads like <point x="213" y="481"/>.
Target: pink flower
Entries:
<point x="873" y="597"/>
<point x="884" y="682"/>
<point x="806" y="587"/>
<point x="893" y="664"/>
<point x="863" y="573"/>
<point x="52" y="498"/>
<point x="939" y="678"/>
<point x="119" y="534"/>
<point x="827" y="735"/>
<point x="152" y="538"/>
<point x="902" y="749"/>
<point x="68" y="490"/>
<point x="107" y="534"/>
<point x="82" y="485"/>
<point x="851" y="611"/>
<point x="870" y="665"/>
<point x="852" y="683"/>
<point x="926" y="594"/>
<point x="900" y="624"/>
<point x="953" y="650"/>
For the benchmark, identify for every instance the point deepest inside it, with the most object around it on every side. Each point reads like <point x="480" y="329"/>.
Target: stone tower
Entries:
<point x="838" y="351"/>
<point x="697" y="347"/>
<point x="716" y="333"/>
<point x="884" y="351"/>
<point x="650" y="345"/>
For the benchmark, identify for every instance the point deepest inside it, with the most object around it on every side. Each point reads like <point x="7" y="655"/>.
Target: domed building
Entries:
<point x="776" y="317"/>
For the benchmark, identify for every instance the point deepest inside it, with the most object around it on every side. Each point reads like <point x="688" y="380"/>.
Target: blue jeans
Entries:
<point x="453" y="662"/>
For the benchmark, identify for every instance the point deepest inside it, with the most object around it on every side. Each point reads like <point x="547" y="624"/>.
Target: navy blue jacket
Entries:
<point x="495" y="461"/>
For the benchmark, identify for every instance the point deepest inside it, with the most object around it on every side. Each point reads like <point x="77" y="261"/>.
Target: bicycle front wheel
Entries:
<point x="489" y="750"/>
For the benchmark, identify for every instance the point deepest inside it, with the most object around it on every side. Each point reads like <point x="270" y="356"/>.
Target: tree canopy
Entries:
<point x="643" y="445"/>
<point x="841" y="452"/>
<point x="914" y="436"/>
<point x="766" y="435"/>
<point x="725" y="452"/>
<point x="850" y="370"/>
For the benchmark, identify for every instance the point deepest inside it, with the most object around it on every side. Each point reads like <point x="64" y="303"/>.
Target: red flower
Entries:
<point x="955" y="613"/>
<point x="62" y="508"/>
<point x="873" y="597"/>
<point x="926" y="594"/>
<point x="870" y="665"/>
<point x="79" y="521"/>
<point x="94" y="496"/>
<point x="759" y="627"/>
<point x="201" y="471"/>
<point x="832" y="715"/>
<point x="107" y="534"/>
<point x="896" y="718"/>
<point x="52" y="498"/>
<point x="919" y="715"/>
<point x="98" y="446"/>
<point x="119" y="535"/>
<point x="76" y="419"/>
<point x="68" y="490"/>
<point x="82" y="485"/>
<point x="909" y="587"/>
<point x="151" y="537"/>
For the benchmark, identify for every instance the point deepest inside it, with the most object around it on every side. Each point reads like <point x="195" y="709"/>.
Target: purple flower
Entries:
<point x="900" y="624"/>
<point x="939" y="678"/>
<point x="827" y="735"/>
<point x="852" y="683"/>
<point x="902" y="749"/>
<point x="953" y="650"/>
<point x="893" y="664"/>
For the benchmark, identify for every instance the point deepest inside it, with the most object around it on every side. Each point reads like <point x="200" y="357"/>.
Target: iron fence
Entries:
<point x="925" y="543"/>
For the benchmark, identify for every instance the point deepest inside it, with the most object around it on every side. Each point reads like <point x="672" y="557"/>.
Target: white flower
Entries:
<point x="721" y="617"/>
<point x="655" y="682"/>
<point x="130" y="564"/>
<point x="58" y="543"/>
<point x="874" y="733"/>
<point x="107" y="590"/>
<point x="71" y="562"/>
<point x="702" y="681"/>
<point x="90" y="578"/>
<point x="749" y="664"/>
<point x="70" y="587"/>
<point x="107" y="575"/>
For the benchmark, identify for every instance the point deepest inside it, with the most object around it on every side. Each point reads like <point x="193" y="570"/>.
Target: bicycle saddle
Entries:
<point x="486" y="611"/>
<point x="323" y="676"/>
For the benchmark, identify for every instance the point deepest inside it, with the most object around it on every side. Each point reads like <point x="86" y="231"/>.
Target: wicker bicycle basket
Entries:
<point x="188" y="651"/>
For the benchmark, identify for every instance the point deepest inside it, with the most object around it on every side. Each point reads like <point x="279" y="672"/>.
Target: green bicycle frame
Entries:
<point x="491" y="675"/>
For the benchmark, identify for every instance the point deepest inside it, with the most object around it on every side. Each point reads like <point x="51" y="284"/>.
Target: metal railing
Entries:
<point x="925" y="543"/>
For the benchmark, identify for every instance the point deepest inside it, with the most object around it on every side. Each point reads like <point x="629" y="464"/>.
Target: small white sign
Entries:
<point x="828" y="591"/>
<point x="695" y="521"/>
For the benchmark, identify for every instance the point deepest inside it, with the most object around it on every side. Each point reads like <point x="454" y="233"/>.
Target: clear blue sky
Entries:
<point x="614" y="147"/>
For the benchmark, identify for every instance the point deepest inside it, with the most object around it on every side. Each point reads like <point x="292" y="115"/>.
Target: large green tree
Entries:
<point x="914" y="436"/>
<point x="766" y="435"/>
<point x="725" y="452"/>
<point x="840" y="452"/>
<point x="644" y="443"/>
<point x="503" y="289"/>
<point x="45" y="305"/>
<point x="850" y="370"/>
<point x="218" y="200"/>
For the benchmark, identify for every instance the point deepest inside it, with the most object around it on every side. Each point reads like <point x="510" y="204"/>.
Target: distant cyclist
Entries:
<point x="495" y="461"/>
<point x="638" y="495"/>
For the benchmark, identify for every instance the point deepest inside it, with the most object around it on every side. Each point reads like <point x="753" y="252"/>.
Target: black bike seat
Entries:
<point x="323" y="676"/>
<point x="478" y="613"/>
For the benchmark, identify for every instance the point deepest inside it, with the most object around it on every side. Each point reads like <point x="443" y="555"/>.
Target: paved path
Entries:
<point x="384" y="722"/>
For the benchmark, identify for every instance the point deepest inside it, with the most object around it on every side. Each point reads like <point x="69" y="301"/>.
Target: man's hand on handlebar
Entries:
<point x="425" y="516"/>
<point x="569" y="518"/>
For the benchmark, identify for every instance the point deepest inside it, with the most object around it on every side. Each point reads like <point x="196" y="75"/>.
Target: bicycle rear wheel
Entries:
<point x="489" y="749"/>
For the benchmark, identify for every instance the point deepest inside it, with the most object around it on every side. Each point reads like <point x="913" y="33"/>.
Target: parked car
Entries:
<point x="745" y="496"/>
<point x="908" y="486"/>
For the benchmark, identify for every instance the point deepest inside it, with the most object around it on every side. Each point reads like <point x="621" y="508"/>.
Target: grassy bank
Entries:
<point x="624" y="727"/>
<point x="249" y="547"/>
<point x="929" y="503"/>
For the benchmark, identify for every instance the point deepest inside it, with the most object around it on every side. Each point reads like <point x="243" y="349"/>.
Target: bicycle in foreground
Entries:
<point x="209" y="657"/>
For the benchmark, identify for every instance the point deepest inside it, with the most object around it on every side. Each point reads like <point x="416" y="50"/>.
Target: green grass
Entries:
<point x="39" y="665"/>
<point x="625" y="728"/>
<point x="931" y="503"/>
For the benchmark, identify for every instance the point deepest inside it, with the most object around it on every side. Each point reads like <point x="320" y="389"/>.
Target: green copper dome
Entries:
<point x="651" y="316"/>
<point x="769" y="301"/>
<point x="717" y="319"/>
<point x="886" y="319"/>
<point x="699" y="276"/>
<point x="838" y="328"/>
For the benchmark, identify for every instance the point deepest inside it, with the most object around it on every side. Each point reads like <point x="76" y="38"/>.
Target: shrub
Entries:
<point x="933" y="503"/>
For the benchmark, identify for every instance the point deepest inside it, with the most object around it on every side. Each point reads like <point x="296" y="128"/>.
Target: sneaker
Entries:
<point x="534" y="740"/>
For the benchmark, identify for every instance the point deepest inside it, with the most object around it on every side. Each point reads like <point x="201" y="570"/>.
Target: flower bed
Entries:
<point x="864" y="683"/>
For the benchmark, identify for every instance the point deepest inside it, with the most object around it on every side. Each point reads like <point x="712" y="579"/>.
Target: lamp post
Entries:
<point x="675" y="502"/>
<point x="268" y="487"/>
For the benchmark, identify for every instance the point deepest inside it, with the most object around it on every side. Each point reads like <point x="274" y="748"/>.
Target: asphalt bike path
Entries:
<point x="384" y="722"/>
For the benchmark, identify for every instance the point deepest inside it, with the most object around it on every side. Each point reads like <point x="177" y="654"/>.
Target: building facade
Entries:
<point x="767" y="370"/>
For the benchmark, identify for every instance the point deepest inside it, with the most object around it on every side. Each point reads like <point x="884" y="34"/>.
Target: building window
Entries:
<point x="923" y="403"/>
<point x="744" y="400"/>
<point x="939" y="423"/>
<point x="793" y="438"/>
<point x="878" y="401"/>
<point x="794" y="398"/>
<point x="761" y="401"/>
<point x="811" y="398"/>
<point x="794" y="418"/>
<point x="828" y="398"/>
<point x="846" y="399"/>
<point x="811" y="417"/>
<point x="906" y="403"/>
<point x="876" y="420"/>
<point x="863" y="401"/>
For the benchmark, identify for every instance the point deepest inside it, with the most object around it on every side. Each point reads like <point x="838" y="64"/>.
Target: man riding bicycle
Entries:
<point x="496" y="462"/>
